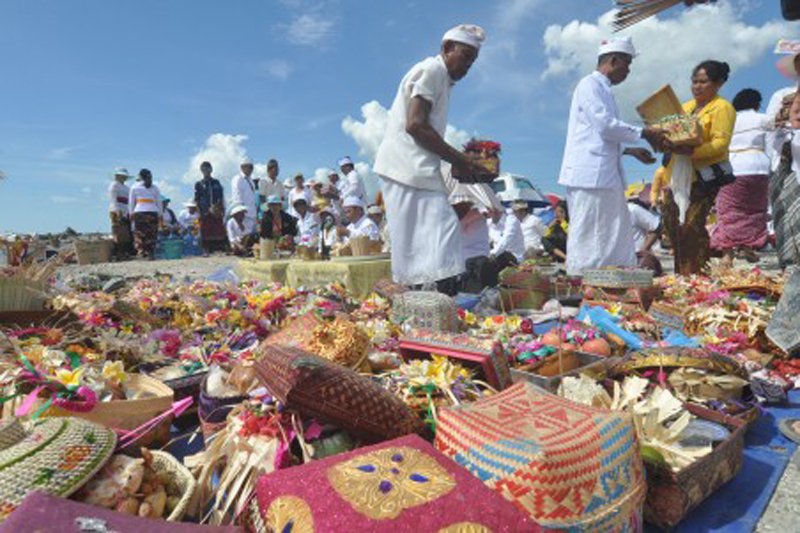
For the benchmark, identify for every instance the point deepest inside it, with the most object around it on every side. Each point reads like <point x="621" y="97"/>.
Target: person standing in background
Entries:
<point x="271" y="186"/>
<point x="243" y="191"/>
<point x="353" y="185"/>
<point x="118" y="194"/>
<point x="210" y="200"/>
<point x="144" y="207"/>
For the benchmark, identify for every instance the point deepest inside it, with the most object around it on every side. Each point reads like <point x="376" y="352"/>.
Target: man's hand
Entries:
<point x="642" y="154"/>
<point x="655" y="137"/>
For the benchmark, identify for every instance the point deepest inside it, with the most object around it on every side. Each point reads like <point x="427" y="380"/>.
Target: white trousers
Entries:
<point x="425" y="234"/>
<point x="600" y="232"/>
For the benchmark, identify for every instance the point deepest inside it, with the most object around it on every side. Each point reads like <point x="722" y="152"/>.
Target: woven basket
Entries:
<point x="427" y="310"/>
<point x="618" y="278"/>
<point x="307" y="253"/>
<point x="266" y="249"/>
<point x="11" y="432"/>
<point x="181" y="482"/>
<point x="671" y="495"/>
<point x="20" y="294"/>
<point x="361" y="246"/>
<point x="213" y="410"/>
<point x="660" y="104"/>
<point x="92" y="252"/>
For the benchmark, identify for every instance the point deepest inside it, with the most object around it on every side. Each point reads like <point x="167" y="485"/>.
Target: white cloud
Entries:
<point x="170" y="191"/>
<point x="224" y="151"/>
<point x="310" y="29"/>
<point x="713" y="31"/>
<point x="60" y="153"/>
<point x="277" y="68"/>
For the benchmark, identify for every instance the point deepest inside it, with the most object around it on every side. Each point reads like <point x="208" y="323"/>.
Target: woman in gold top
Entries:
<point x="717" y="116"/>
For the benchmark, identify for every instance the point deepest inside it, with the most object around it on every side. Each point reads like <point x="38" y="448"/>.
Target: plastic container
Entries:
<point x="172" y="248"/>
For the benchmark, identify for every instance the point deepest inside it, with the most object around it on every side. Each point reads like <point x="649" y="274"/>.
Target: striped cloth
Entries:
<point x="569" y="466"/>
<point x="784" y="194"/>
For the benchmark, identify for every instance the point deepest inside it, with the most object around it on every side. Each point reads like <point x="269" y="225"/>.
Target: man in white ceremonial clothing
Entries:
<point x="244" y="191"/>
<point x="505" y="234"/>
<point x="424" y="230"/>
<point x="600" y="231"/>
<point x="533" y="229"/>
<point x="353" y="184"/>
<point x="360" y="225"/>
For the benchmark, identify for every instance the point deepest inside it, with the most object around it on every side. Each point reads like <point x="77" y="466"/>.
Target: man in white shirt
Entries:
<point x="118" y="194"/>
<point x="360" y="224"/>
<point x="270" y="185"/>
<point x="475" y="247"/>
<point x="244" y="191"/>
<point x="298" y="191"/>
<point x="424" y="229"/>
<point x="241" y="233"/>
<point x="505" y="234"/>
<point x="189" y="216"/>
<point x="307" y="223"/>
<point x="353" y="185"/>
<point x="600" y="228"/>
<point x="532" y="227"/>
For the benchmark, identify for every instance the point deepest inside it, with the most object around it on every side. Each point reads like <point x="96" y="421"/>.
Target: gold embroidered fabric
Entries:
<point x="289" y="513"/>
<point x="383" y="483"/>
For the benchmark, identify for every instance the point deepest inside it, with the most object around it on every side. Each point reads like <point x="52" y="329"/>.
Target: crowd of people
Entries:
<point x="446" y="228"/>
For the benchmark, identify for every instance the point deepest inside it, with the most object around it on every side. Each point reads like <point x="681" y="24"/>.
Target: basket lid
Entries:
<point x="58" y="456"/>
<point x="660" y="104"/>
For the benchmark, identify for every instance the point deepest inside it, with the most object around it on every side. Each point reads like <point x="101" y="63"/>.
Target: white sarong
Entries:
<point x="600" y="232"/>
<point x="425" y="234"/>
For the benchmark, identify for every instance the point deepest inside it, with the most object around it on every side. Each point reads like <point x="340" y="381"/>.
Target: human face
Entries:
<point x="301" y="208"/>
<point x="247" y="169"/>
<point x="620" y="68"/>
<point x="239" y="217"/>
<point x="377" y="219"/>
<point x="560" y="213"/>
<point x="275" y="208"/>
<point x="298" y="182"/>
<point x="703" y="89"/>
<point x="272" y="171"/>
<point x="353" y="214"/>
<point x="458" y="58"/>
<point x="333" y="178"/>
<point x="206" y="171"/>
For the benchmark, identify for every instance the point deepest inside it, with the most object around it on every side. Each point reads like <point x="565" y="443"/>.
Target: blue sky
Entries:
<point x="90" y="85"/>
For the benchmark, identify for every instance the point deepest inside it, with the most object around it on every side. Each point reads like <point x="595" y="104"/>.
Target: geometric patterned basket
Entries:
<point x="424" y="309"/>
<point x="568" y="466"/>
<point x="618" y="278"/>
<point x="59" y="456"/>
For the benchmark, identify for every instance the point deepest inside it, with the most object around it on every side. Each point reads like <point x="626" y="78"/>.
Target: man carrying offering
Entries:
<point x="600" y="231"/>
<point x="424" y="230"/>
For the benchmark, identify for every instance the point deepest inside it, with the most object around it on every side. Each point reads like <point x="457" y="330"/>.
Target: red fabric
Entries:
<point x="469" y="501"/>
<point x="742" y="214"/>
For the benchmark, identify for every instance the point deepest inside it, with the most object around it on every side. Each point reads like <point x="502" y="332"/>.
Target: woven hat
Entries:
<point x="58" y="456"/>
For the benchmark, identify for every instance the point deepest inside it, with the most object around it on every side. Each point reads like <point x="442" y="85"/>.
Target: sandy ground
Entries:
<point x="784" y="508"/>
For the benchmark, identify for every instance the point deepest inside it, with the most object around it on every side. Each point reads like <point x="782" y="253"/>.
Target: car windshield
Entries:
<point x="522" y="183"/>
<point x="498" y="186"/>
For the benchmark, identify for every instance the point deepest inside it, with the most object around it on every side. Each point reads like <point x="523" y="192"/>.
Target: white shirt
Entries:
<point x="399" y="157"/>
<point x="643" y="222"/>
<point x="267" y="187"/>
<point x="328" y="237"/>
<point x="364" y="227"/>
<point x="474" y="235"/>
<point x="506" y="236"/>
<point x="307" y="228"/>
<point x="748" y="144"/>
<point x="187" y="219"/>
<point x="244" y="192"/>
<point x="595" y="135"/>
<point x="236" y="233"/>
<point x="294" y="194"/>
<point x="775" y="139"/>
<point x="116" y="192"/>
<point x="532" y="231"/>
<point x="354" y="186"/>
<point x="142" y="199"/>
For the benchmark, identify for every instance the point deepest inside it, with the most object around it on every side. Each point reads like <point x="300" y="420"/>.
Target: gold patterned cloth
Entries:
<point x="357" y="276"/>
<point x="399" y="485"/>
<point x="265" y="271"/>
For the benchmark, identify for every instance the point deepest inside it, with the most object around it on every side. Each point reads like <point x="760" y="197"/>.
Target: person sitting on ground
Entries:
<point x="646" y="227"/>
<point x="532" y="228"/>
<point x="189" y="217"/>
<point x="241" y="233"/>
<point x="169" y="221"/>
<point x="276" y="222"/>
<point x="307" y="223"/>
<point x="359" y="224"/>
<point x="505" y="234"/>
<point x="375" y="212"/>
<point x="555" y="238"/>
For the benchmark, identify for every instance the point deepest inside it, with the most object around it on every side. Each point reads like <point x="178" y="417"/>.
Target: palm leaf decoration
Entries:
<point x="633" y="11"/>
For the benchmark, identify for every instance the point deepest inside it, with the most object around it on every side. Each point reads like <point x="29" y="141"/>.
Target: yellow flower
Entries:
<point x="69" y="378"/>
<point x="114" y="372"/>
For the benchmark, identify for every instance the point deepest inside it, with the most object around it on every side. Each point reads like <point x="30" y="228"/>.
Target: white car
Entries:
<point x="510" y="187"/>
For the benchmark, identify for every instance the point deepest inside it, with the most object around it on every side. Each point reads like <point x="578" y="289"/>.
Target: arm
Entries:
<point x="594" y="101"/>
<point x="131" y="201"/>
<point x="649" y="241"/>
<point x="722" y="121"/>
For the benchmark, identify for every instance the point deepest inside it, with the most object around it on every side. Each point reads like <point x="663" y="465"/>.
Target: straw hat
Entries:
<point x="58" y="456"/>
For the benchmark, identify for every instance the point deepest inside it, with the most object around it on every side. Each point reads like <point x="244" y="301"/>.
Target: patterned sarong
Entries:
<point x="121" y="231"/>
<point x="212" y="233"/>
<point x="690" y="240"/>
<point x="145" y="233"/>
<point x="784" y="193"/>
<point x="742" y="214"/>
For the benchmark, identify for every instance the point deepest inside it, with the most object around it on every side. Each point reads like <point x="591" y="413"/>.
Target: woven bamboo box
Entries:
<point x="485" y="355"/>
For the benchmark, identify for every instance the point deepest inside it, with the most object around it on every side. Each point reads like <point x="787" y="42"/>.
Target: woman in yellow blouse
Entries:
<point x="717" y="116"/>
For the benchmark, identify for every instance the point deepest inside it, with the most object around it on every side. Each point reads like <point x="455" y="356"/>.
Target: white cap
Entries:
<point x="121" y="171"/>
<point x="274" y="199"/>
<point x="246" y="161"/>
<point x="620" y="45"/>
<point x="468" y="34"/>
<point x="375" y="210"/>
<point x="345" y="161"/>
<point x="353" y="201"/>
<point x="238" y="208"/>
<point x="190" y="203"/>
